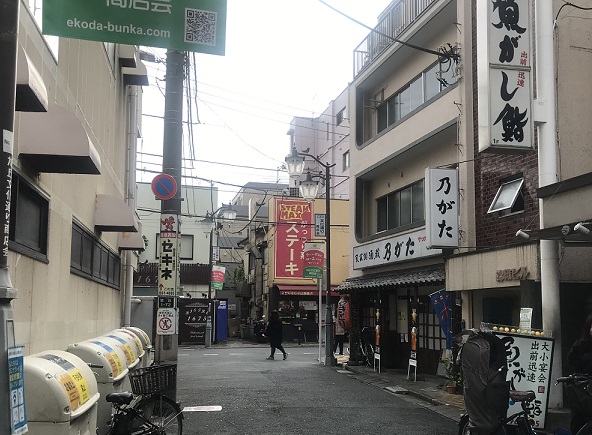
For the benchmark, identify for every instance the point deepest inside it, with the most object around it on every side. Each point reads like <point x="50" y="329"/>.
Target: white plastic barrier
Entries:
<point x="61" y="394"/>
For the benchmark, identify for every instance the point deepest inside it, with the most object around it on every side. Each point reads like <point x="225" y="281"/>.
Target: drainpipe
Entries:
<point x="132" y="138"/>
<point x="547" y="129"/>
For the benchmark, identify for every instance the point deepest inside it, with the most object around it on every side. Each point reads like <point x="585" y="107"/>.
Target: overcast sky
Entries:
<point x="283" y="59"/>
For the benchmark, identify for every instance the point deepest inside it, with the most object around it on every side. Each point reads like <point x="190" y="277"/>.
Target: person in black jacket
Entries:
<point x="274" y="333"/>
<point x="580" y="358"/>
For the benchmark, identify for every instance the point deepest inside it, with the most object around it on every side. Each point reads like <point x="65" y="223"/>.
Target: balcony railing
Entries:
<point x="398" y="19"/>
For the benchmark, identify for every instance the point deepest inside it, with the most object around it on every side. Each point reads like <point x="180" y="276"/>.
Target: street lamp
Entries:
<point x="309" y="190"/>
<point x="223" y="212"/>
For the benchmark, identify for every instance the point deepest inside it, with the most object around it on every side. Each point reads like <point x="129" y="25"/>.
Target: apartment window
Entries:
<point x="414" y="94"/>
<point x="186" y="250"/>
<point x="346" y="160"/>
<point x="340" y="117"/>
<point x="29" y="219"/>
<point x="92" y="259"/>
<point x="508" y="198"/>
<point x="401" y="208"/>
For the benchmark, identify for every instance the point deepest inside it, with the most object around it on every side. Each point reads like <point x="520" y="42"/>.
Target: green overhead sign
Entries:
<point x="184" y="25"/>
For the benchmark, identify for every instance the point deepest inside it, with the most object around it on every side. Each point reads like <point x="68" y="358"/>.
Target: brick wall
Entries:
<point x="490" y="171"/>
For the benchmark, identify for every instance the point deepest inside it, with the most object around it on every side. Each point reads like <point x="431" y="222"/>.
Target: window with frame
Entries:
<point x="340" y="117"/>
<point x="414" y="94"/>
<point x="346" y="160"/>
<point x="509" y="198"/>
<point x="401" y="208"/>
<point x="29" y="219"/>
<point x="92" y="259"/>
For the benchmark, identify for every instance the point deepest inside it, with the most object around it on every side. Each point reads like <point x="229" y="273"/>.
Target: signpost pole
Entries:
<point x="166" y="349"/>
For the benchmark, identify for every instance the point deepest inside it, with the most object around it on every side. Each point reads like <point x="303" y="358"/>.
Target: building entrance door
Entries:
<point x="430" y="337"/>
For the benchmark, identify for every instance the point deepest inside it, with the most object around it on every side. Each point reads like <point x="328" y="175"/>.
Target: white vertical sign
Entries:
<point x="168" y="261"/>
<point x="441" y="202"/>
<point x="504" y="75"/>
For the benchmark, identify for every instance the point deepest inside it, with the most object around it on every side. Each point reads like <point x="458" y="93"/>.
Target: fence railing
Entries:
<point x="398" y="19"/>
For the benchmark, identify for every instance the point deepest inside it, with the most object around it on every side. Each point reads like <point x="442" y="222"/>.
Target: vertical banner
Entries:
<point x="503" y="74"/>
<point x="314" y="259"/>
<point x="441" y="202"/>
<point x="218" y="273"/>
<point x="18" y="414"/>
<point x="168" y="262"/>
<point x="441" y="303"/>
<point x="294" y="223"/>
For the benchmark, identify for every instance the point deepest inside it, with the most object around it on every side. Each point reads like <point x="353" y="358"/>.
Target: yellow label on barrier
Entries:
<point x="115" y="363"/>
<point x="131" y="351"/>
<point x="128" y="353"/>
<point x="81" y="384"/>
<point x="72" y="390"/>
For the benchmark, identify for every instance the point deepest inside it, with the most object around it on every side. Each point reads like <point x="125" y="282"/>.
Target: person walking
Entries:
<point x="580" y="358"/>
<point x="340" y="323"/>
<point x="274" y="333"/>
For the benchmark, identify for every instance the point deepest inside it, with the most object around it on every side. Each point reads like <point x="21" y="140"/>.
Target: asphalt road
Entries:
<point x="296" y="396"/>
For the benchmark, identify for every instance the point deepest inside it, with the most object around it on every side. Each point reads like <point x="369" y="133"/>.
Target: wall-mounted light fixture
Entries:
<point x="521" y="234"/>
<point x="580" y="228"/>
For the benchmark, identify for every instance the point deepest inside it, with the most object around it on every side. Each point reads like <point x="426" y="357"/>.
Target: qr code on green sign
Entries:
<point x="200" y="26"/>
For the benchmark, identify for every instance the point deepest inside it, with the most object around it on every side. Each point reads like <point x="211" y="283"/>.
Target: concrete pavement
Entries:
<point x="426" y="390"/>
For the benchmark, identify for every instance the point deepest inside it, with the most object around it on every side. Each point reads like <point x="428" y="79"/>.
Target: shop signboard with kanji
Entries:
<point x="294" y="220"/>
<point x="529" y="354"/>
<point x="168" y="262"/>
<point x="441" y="202"/>
<point x="504" y="53"/>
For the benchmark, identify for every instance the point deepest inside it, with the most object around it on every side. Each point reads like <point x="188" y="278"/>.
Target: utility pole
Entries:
<point x="167" y="345"/>
<point x="9" y="10"/>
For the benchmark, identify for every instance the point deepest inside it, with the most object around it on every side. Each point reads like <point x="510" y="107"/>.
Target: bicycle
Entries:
<point x="578" y="396"/>
<point x="365" y="348"/>
<point x="522" y="418"/>
<point x="146" y="411"/>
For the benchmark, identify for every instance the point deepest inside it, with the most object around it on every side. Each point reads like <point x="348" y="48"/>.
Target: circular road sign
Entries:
<point x="164" y="186"/>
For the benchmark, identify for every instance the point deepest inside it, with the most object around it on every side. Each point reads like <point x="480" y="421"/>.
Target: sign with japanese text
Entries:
<point x="166" y="321"/>
<point x="190" y="25"/>
<point x="294" y="225"/>
<point x="218" y="273"/>
<point x="314" y="259"/>
<point x="168" y="262"/>
<point x="18" y="414"/>
<point x="320" y="220"/>
<point x="193" y="316"/>
<point x="504" y="75"/>
<point x="441" y="202"/>
<point x="529" y="368"/>
<point x="393" y="250"/>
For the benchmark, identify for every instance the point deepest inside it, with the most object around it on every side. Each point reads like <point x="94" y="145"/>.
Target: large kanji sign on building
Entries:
<point x="294" y="220"/>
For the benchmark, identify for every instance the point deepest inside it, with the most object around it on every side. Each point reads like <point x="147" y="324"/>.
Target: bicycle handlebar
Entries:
<point x="573" y="378"/>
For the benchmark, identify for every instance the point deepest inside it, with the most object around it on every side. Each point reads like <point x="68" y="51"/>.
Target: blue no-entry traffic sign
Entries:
<point x="164" y="186"/>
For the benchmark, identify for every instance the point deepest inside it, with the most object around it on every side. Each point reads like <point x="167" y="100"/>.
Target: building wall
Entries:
<point x="55" y="308"/>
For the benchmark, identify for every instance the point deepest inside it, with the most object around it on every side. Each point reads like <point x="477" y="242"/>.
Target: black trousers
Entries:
<point x="278" y="346"/>
<point x="339" y="339"/>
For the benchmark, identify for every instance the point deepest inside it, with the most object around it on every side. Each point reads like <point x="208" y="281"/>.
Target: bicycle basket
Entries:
<point x="153" y="379"/>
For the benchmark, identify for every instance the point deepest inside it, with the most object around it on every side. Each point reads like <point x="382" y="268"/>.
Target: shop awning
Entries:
<point x="56" y="142"/>
<point x="129" y="241"/>
<point x="302" y="290"/>
<point x="427" y="276"/>
<point x="113" y="214"/>
<point x="31" y="92"/>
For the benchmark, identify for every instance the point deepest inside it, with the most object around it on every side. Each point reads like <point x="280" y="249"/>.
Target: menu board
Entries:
<point x="193" y="314"/>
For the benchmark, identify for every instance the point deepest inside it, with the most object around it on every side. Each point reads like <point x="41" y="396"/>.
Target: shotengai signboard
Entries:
<point x="188" y="25"/>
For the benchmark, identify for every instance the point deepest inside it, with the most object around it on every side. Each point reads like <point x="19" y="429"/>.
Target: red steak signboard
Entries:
<point x="294" y="223"/>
